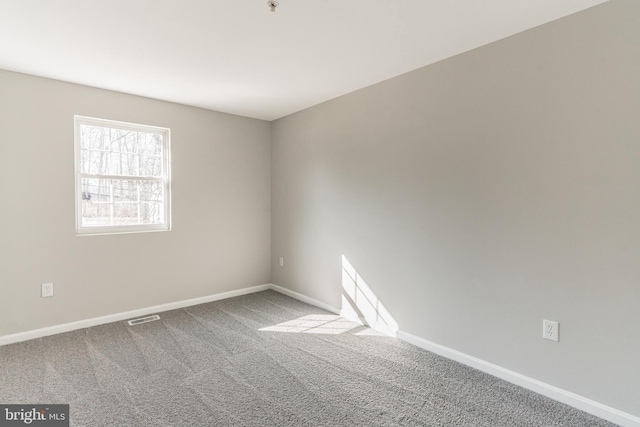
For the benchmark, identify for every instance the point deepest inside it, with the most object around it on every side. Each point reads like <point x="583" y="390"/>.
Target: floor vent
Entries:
<point x="146" y="319"/>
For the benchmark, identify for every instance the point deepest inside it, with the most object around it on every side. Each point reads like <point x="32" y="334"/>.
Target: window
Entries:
<point x="122" y="177"/>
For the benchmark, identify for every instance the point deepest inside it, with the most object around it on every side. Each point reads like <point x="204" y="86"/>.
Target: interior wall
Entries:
<point x="221" y="234"/>
<point x="482" y="194"/>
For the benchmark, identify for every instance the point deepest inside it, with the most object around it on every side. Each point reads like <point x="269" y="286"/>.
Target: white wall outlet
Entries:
<point x="47" y="290"/>
<point x="550" y="330"/>
<point x="281" y="261"/>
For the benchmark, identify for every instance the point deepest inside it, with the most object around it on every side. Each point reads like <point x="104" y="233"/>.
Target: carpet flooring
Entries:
<point x="262" y="359"/>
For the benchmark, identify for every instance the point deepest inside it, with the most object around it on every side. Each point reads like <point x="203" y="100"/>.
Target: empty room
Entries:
<point x="320" y="213"/>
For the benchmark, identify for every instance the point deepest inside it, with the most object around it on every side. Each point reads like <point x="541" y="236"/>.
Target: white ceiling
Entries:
<point x="238" y="57"/>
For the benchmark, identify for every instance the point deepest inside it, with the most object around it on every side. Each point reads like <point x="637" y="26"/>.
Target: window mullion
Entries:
<point x="139" y="202"/>
<point x="124" y="177"/>
<point x="112" y="205"/>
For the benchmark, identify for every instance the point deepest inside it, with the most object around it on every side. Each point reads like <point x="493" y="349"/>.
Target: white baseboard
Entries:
<point x="603" y="411"/>
<point x="579" y="402"/>
<point x="587" y="405"/>
<point x="67" y="327"/>
<point x="95" y="321"/>
<point x="304" y="298"/>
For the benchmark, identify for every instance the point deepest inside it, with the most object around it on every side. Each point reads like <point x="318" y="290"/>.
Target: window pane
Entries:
<point x="125" y="191"/>
<point x="151" y="213"/>
<point x="151" y="166"/>
<point x="92" y="137"/>
<point x="123" y="141"/>
<point x="95" y="214"/>
<point x="150" y="144"/>
<point x="96" y="190"/>
<point x="121" y="202"/>
<point x="123" y="164"/>
<point x="112" y="151"/>
<point x="93" y="162"/>
<point x="96" y="206"/>
<point x="151" y="191"/>
<point x="125" y="213"/>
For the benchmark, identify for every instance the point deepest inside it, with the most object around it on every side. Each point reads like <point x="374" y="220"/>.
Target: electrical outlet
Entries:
<point x="281" y="261"/>
<point x="47" y="290"/>
<point x="550" y="330"/>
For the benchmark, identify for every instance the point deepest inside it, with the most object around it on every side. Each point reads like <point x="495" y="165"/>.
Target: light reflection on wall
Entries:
<point x="360" y="303"/>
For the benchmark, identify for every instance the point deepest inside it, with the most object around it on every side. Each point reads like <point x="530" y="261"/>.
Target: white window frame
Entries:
<point x="165" y="178"/>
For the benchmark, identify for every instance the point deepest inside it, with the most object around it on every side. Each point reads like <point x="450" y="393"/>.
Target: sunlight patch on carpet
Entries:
<point x="327" y="324"/>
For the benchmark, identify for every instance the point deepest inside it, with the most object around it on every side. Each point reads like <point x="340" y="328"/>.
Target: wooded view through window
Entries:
<point x="122" y="173"/>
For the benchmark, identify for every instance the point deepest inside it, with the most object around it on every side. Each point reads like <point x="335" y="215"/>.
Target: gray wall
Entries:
<point x="221" y="208"/>
<point x="482" y="194"/>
